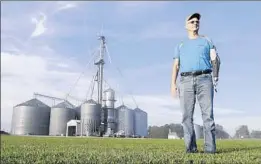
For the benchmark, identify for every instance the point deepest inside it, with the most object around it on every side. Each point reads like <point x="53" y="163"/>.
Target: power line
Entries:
<point x="121" y="74"/>
<point x="92" y="57"/>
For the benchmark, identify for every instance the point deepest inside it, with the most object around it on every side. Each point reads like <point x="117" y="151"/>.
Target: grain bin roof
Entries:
<point x="64" y="104"/>
<point x="109" y="90"/>
<point x="137" y="109"/>
<point x="91" y="101"/>
<point x="33" y="102"/>
<point x="122" y="106"/>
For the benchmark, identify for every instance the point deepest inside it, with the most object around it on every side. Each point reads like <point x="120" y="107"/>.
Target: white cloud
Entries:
<point x="29" y="66"/>
<point x="63" y="5"/>
<point x="22" y="75"/>
<point x="39" y="25"/>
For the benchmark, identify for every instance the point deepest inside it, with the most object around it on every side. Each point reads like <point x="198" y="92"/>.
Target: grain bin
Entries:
<point x="125" y="119"/>
<point x="90" y="118"/>
<point x="140" y="123"/>
<point x="109" y="111"/>
<point x="31" y="118"/>
<point x="109" y="98"/>
<point x="60" y="115"/>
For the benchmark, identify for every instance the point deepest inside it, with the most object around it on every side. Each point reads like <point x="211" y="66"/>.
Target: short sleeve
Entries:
<point x="176" y="52"/>
<point x="210" y="43"/>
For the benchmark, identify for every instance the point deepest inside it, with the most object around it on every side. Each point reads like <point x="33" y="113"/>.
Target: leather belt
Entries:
<point x="196" y="73"/>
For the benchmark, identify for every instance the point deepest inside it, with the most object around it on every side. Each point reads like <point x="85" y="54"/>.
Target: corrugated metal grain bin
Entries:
<point x="60" y="115"/>
<point x="109" y="111"/>
<point x="90" y="118"/>
<point x="125" y="119"/>
<point x="140" y="123"/>
<point x="31" y="118"/>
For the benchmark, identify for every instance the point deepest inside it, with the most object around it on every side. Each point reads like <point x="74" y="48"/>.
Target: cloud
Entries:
<point x="22" y="75"/>
<point x="33" y="73"/>
<point x="34" y="23"/>
<point x="39" y="25"/>
<point x="62" y="5"/>
<point x="32" y="65"/>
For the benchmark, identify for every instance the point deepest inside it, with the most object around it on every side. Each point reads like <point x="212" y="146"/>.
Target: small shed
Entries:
<point x="73" y="128"/>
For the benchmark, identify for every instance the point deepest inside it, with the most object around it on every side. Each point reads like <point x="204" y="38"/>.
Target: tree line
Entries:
<point x="163" y="131"/>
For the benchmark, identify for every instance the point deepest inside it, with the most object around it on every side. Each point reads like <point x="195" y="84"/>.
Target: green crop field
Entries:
<point x="69" y="150"/>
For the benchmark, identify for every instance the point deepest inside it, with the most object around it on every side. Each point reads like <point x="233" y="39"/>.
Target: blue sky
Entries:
<point x="141" y="37"/>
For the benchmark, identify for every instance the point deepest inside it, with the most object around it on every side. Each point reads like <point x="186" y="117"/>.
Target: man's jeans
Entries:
<point x="200" y="87"/>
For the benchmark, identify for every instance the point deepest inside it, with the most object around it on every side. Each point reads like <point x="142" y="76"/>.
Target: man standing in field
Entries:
<point x="196" y="58"/>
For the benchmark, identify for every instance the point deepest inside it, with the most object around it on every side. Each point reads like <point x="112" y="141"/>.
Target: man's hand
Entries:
<point x="174" y="91"/>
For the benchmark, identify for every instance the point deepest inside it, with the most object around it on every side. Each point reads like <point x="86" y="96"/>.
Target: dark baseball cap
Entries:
<point x="195" y="15"/>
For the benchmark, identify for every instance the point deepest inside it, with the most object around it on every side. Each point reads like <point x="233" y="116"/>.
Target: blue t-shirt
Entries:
<point x="194" y="54"/>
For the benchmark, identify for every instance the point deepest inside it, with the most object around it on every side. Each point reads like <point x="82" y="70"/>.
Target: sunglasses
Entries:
<point x="192" y="22"/>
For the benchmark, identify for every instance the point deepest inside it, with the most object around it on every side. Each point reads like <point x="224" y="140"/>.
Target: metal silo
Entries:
<point x="125" y="120"/>
<point x="198" y="131"/>
<point x="140" y="123"/>
<point x="31" y="118"/>
<point x="60" y="115"/>
<point x="109" y="111"/>
<point x="90" y="118"/>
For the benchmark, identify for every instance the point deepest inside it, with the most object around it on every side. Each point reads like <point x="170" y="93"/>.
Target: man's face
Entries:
<point x="192" y="24"/>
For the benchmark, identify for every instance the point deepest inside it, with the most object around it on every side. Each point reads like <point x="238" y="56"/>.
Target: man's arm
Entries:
<point x="215" y="61"/>
<point x="175" y="71"/>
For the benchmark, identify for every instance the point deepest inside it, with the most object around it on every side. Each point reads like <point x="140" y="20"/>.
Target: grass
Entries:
<point x="61" y="150"/>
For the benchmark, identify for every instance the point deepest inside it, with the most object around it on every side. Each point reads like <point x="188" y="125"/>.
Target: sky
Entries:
<point x="47" y="46"/>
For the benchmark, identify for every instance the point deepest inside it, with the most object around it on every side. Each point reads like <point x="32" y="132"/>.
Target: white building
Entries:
<point x="73" y="128"/>
<point x="172" y="135"/>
